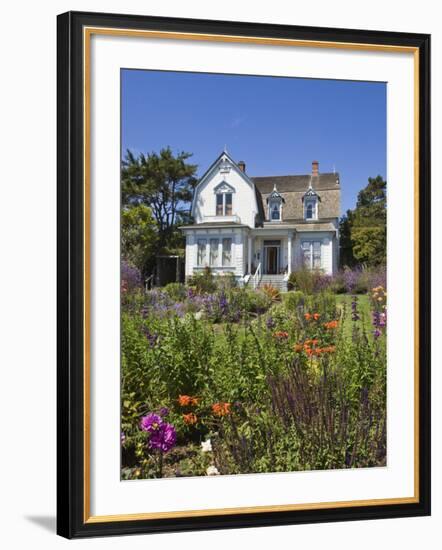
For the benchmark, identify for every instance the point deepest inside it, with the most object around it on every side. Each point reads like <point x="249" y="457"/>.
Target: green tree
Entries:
<point x="346" y="253"/>
<point x="164" y="182"/>
<point x="364" y="229"/>
<point x="139" y="236"/>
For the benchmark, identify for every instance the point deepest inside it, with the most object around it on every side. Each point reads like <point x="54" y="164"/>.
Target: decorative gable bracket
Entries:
<point x="223" y="187"/>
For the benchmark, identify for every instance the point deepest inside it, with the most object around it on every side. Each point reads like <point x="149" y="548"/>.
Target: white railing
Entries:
<point x="256" y="277"/>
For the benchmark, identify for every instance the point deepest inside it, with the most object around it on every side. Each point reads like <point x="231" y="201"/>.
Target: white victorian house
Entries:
<point x="263" y="228"/>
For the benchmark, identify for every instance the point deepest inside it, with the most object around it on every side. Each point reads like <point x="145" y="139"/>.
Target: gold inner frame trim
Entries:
<point x="87" y="34"/>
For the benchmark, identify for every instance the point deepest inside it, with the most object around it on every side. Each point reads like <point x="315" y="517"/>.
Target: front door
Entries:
<point x="272" y="260"/>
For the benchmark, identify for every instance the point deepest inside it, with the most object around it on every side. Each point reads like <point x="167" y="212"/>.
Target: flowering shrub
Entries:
<point x="229" y="381"/>
<point x="130" y="277"/>
<point x="272" y="292"/>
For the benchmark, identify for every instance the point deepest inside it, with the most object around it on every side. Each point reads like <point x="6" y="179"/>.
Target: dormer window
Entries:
<point x="275" y="201"/>
<point x="224" y="199"/>
<point x="311" y="209"/>
<point x="275" y="211"/>
<point x="310" y="200"/>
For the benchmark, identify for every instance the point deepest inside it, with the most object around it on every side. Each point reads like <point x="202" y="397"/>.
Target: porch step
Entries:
<point x="276" y="281"/>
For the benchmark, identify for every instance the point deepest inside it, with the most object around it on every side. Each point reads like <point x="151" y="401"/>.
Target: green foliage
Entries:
<point x="203" y="281"/>
<point x="273" y="293"/>
<point x="164" y="182"/>
<point x="139" y="235"/>
<point x="226" y="282"/>
<point x="293" y="299"/>
<point x="305" y="280"/>
<point x="323" y="302"/>
<point x="369" y="244"/>
<point x="363" y="231"/>
<point x="304" y="383"/>
<point x="176" y="291"/>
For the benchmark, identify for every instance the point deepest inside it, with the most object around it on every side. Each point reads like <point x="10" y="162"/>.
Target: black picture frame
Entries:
<point x="71" y="520"/>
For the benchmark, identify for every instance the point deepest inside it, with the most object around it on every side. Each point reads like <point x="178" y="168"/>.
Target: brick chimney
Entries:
<point x="242" y="166"/>
<point x="315" y="168"/>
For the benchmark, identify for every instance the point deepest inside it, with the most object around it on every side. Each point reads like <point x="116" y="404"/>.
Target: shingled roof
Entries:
<point x="293" y="188"/>
<point x="287" y="184"/>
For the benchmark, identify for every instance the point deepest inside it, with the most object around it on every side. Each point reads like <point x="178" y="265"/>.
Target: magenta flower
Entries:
<point x="151" y="422"/>
<point x="163" y="438"/>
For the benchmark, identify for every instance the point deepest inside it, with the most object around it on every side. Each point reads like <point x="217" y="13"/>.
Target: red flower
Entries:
<point x="221" y="409"/>
<point x="281" y="335"/>
<point x="187" y="400"/>
<point x="190" y="418"/>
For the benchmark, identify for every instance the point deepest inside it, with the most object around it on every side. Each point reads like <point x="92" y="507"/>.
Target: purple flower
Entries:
<point x="164" y="411"/>
<point x="223" y="303"/>
<point x="377" y="333"/>
<point x="270" y="323"/>
<point x="354" y="309"/>
<point x="151" y="422"/>
<point x="383" y="319"/>
<point x="351" y="279"/>
<point x="130" y="276"/>
<point x="163" y="438"/>
<point x="152" y="338"/>
<point x="376" y="319"/>
<point x="123" y="438"/>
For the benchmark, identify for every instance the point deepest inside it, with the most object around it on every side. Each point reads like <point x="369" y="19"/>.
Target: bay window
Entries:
<point x="311" y="253"/>
<point x="227" y="252"/>
<point x="202" y="243"/>
<point x="214" y="244"/>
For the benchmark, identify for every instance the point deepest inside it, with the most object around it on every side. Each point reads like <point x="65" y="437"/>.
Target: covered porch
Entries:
<point x="271" y="252"/>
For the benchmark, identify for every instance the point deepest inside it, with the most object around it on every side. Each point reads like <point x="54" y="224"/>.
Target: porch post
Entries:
<point x="249" y="255"/>
<point x="289" y="253"/>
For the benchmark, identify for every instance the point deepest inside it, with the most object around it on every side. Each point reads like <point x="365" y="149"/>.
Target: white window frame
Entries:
<point x="313" y="201"/>
<point x="224" y="206"/>
<point x="311" y="243"/>
<point x="204" y="262"/>
<point x="223" y="189"/>
<point x="272" y="203"/>
<point x="214" y="259"/>
<point x="223" y="263"/>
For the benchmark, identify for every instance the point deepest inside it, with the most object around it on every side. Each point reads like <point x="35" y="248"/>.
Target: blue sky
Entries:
<point x="276" y="125"/>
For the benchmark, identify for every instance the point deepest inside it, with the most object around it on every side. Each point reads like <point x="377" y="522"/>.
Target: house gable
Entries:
<point x="226" y="177"/>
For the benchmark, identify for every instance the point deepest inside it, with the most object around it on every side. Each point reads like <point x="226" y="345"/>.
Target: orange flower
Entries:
<point x="329" y="349"/>
<point x="187" y="400"/>
<point x="190" y="418"/>
<point x="221" y="409"/>
<point x="331" y="325"/>
<point x="307" y="316"/>
<point x="315" y="342"/>
<point x="316" y="316"/>
<point x="281" y="334"/>
<point x="297" y="347"/>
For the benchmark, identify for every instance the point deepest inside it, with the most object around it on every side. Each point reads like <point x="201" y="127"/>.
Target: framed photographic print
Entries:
<point x="243" y="307"/>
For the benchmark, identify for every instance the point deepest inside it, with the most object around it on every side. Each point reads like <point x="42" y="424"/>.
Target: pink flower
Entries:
<point x="163" y="438"/>
<point x="151" y="422"/>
